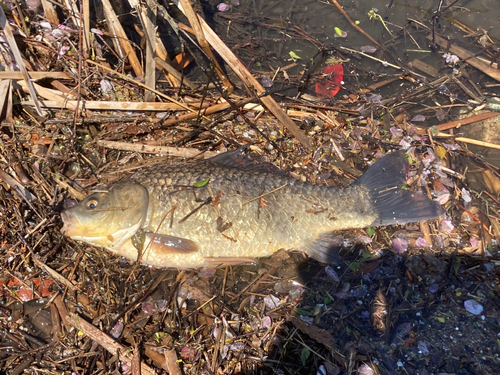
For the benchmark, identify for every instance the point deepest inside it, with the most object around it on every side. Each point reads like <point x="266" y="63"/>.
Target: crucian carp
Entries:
<point x="229" y="209"/>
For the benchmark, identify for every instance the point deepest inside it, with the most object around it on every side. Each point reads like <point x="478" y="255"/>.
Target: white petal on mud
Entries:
<point x="423" y="347"/>
<point x="404" y="144"/>
<point x="368" y="49"/>
<point x="307" y="319"/>
<point x="57" y="33"/>
<point x="365" y="370"/>
<point x="106" y="86"/>
<point x="473" y="307"/>
<point x="215" y="333"/>
<point x="322" y="370"/>
<point x="271" y="302"/>
<point x="466" y="195"/>
<point x="46" y="25"/>
<point x="237" y="346"/>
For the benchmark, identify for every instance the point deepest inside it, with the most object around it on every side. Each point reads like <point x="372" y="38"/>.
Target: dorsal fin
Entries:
<point x="237" y="159"/>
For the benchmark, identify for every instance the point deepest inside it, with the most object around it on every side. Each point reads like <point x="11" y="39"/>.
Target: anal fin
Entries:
<point x="325" y="248"/>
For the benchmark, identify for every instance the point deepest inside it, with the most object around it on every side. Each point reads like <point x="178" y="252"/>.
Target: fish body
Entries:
<point x="225" y="209"/>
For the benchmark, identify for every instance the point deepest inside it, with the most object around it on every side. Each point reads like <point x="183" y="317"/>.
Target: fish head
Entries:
<point x="108" y="218"/>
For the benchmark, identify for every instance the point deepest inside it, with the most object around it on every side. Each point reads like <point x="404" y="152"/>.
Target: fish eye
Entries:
<point x="91" y="204"/>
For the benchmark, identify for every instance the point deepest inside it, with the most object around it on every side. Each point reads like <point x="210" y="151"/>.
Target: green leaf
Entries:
<point x="434" y="130"/>
<point x="348" y="330"/>
<point x="302" y="312"/>
<point x="338" y="31"/>
<point x="440" y="152"/>
<point x="293" y="55"/>
<point x="199" y="184"/>
<point x="370" y="231"/>
<point x="441" y="319"/>
<point x="304" y="355"/>
<point x="355" y="266"/>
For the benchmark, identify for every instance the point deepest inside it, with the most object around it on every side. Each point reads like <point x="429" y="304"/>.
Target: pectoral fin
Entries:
<point x="165" y="244"/>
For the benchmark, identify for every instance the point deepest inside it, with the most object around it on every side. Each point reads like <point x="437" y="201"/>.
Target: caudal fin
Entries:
<point x="385" y="180"/>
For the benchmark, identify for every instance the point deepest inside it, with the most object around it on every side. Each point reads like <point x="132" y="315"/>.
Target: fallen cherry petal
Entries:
<point x="332" y="274"/>
<point x="442" y="196"/>
<point x="148" y="307"/>
<point x="418" y="118"/>
<point x="222" y="7"/>
<point x="368" y="49"/>
<point x="400" y="244"/>
<point x="365" y="370"/>
<point x="433" y="288"/>
<point x="266" y="322"/>
<point x="466" y="195"/>
<point x="64" y="27"/>
<point x="447" y="226"/>
<point x="271" y="302"/>
<point x="421" y="242"/>
<point x="423" y="347"/>
<point x="396" y="132"/>
<point x="474" y="243"/>
<point x="473" y="307"/>
<point x="117" y="330"/>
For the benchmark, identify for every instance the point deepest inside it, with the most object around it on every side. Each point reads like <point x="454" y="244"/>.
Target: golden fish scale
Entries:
<point x="294" y="215"/>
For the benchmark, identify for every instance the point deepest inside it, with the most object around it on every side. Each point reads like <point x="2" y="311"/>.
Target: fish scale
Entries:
<point x="245" y="210"/>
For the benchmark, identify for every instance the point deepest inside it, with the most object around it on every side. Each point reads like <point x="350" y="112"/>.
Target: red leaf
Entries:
<point x="329" y="87"/>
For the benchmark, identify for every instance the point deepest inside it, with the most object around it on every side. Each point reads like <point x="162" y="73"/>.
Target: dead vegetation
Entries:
<point x="91" y="91"/>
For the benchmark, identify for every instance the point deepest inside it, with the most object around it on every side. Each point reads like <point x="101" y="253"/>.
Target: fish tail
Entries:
<point x="385" y="181"/>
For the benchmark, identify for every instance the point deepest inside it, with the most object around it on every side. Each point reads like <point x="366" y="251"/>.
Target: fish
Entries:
<point x="230" y="209"/>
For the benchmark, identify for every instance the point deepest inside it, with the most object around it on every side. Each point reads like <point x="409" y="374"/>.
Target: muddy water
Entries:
<point x="320" y="21"/>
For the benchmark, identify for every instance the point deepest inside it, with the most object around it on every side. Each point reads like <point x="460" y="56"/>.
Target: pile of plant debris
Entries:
<point x="92" y="91"/>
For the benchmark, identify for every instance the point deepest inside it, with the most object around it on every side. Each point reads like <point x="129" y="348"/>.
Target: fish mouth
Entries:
<point x="70" y="221"/>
